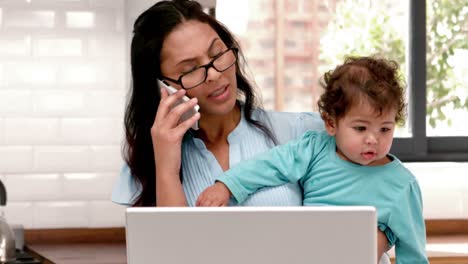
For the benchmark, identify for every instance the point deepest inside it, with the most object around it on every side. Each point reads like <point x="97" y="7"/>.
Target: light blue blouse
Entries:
<point x="200" y="167"/>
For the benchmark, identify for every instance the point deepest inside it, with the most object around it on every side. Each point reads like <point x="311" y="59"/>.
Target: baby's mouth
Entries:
<point x="368" y="155"/>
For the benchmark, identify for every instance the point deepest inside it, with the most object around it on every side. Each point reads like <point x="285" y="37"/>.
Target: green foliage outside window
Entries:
<point x="371" y="27"/>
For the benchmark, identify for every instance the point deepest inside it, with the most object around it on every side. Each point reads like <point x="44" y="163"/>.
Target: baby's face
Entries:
<point x="364" y="136"/>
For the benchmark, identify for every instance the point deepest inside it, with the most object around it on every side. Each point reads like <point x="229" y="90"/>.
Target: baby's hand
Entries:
<point x="216" y="195"/>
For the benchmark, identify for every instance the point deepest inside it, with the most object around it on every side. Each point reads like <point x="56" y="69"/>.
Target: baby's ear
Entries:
<point x="330" y="124"/>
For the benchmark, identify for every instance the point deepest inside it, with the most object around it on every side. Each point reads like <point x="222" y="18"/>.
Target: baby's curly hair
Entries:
<point x="375" y="80"/>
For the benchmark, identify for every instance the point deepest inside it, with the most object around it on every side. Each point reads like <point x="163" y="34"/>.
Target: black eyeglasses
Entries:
<point x="198" y="75"/>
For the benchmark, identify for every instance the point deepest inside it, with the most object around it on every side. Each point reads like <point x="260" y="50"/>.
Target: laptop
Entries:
<point x="252" y="235"/>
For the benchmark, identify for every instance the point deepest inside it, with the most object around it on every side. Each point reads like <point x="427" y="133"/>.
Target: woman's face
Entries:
<point x="192" y="44"/>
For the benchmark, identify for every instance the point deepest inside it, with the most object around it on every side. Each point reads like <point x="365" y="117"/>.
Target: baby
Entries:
<point x="350" y="163"/>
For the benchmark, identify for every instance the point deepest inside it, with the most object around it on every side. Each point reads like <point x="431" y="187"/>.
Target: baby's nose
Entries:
<point x="371" y="139"/>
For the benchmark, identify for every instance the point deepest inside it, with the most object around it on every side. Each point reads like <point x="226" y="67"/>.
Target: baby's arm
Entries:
<point x="279" y="165"/>
<point x="382" y="244"/>
<point x="283" y="164"/>
<point x="216" y="195"/>
<point x="407" y="223"/>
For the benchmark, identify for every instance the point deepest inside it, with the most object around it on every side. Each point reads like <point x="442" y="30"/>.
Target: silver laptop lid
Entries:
<point x="233" y="235"/>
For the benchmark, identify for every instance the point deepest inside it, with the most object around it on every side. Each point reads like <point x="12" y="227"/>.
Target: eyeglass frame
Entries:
<point x="206" y="66"/>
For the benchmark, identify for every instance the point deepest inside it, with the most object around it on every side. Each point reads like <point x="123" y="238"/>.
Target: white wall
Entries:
<point x="62" y="91"/>
<point x="444" y="188"/>
<point x="63" y="79"/>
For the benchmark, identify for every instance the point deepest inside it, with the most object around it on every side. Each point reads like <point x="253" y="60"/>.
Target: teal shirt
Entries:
<point x="200" y="167"/>
<point x="328" y="180"/>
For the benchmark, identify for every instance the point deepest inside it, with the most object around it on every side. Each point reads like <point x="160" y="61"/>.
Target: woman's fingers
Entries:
<point x="185" y="125"/>
<point x="172" y="112"/>
<point x="177" y="112"/>
<point x="167" y="102"/>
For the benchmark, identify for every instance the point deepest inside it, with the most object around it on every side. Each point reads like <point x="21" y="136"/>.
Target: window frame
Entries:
<point x="420" y="147"/>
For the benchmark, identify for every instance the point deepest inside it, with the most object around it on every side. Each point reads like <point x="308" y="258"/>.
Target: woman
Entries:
<point x="169" y="164"/>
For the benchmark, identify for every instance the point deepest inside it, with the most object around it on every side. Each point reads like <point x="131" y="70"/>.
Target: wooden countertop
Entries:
<point x="448" y="249"/>
<point x="79" y="253"/>
<point x="440" y="249"/>
<point x="77" y="245"/>
<point x="447" y="244"/>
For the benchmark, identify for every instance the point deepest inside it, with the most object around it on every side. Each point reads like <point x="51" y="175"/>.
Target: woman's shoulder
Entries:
<point x="125" y="189"/>
<point x="290" y="125"/>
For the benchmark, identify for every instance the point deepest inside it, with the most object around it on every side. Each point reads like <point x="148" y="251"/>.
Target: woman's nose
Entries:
<point x="212" y="74"/>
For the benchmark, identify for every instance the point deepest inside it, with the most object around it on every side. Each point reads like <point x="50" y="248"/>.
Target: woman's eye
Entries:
<point x="216" y="52"/>
<point x="188" y="69"/>
<point x="215" y="55"/>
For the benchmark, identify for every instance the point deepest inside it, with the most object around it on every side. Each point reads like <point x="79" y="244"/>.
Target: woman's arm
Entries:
<point x="169" y="191"/>
<point x="167" y="134"/>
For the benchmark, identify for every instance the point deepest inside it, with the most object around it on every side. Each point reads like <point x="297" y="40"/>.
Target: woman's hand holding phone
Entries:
<point x="168" y="131"/>
<point x="189" y="113"/>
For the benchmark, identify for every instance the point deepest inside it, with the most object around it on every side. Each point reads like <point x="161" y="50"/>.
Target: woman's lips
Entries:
<point x="220" y="94"/>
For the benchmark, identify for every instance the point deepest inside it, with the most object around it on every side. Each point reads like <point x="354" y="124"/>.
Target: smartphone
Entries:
<point x="187" y="114"/>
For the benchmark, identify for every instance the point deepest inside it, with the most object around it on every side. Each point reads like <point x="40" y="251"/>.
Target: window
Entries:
<point x="289" y="44"/>
<point x="438" y="98"/>
<point x="447" y="72"/>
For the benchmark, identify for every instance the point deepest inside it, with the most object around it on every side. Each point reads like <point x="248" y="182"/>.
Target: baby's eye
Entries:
<point x="385" y="129"/>
<point x="360" y="128"/>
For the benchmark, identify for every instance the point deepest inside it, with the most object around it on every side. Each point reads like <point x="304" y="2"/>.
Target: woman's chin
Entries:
<point x="218" y="109"/>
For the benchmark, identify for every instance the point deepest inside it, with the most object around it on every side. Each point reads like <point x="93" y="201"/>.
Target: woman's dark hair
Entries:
<point x="374" y="79"/>
<point x="150" y="30"/>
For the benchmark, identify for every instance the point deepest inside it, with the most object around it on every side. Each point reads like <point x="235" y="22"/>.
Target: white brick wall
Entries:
<point x="2" y="129"/>
<point x="15" y="102"/>
<point x="34" y="187"/>
<point x="18" y="131"/>
<point x="16" y="159"/>
<point x="63" y="81"/>
<point x="32" y="19"/>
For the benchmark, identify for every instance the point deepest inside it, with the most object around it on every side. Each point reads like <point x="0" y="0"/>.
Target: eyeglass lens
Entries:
<point x="198" y="76"/>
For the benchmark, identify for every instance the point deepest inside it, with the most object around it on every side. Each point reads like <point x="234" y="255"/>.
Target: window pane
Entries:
<point x="362" y="28"/>
<point x="303" y="39"/>
<point x="447" y="71"/>
<point x="253" y="22"/>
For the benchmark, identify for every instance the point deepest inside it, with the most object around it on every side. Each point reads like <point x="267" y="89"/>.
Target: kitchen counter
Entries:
<point x="441" y="249"/>
<point x="449" y="249"/>
<point x="447" y="244"/>
<point x="77" y="245"/>
<point x="79" y="253"/>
